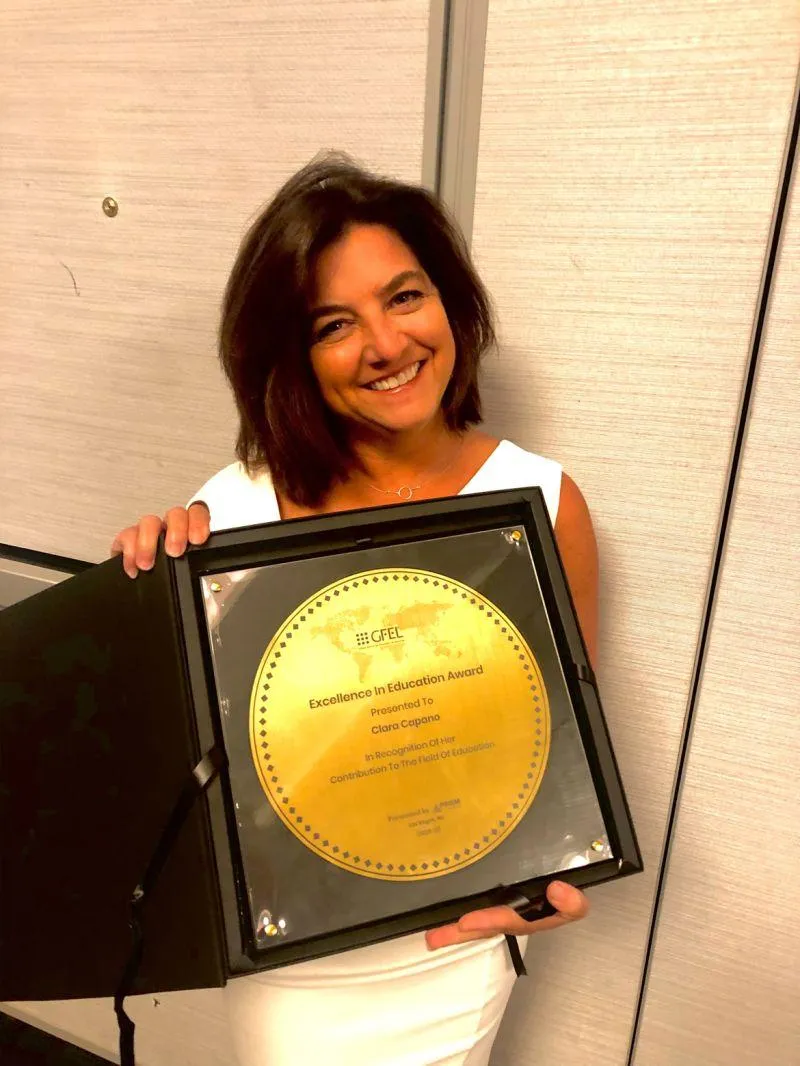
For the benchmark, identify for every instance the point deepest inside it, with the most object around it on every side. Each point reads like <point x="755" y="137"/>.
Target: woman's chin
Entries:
<point x="406" y="414"/>
<point x="409" y="422"/>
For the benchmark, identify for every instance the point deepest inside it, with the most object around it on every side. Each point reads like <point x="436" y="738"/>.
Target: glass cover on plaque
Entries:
<point x="399" y="731"/>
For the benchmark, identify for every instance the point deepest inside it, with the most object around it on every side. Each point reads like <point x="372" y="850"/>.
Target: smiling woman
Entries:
<point x="352" y="329"/>
<point x="345" y="283"/>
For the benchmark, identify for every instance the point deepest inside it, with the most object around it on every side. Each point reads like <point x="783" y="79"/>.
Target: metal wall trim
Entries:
<point x="435" y="77"/>
<point x="24" y="572"/>
<point x="18" y="582"/>
<point x="464" y="58"/>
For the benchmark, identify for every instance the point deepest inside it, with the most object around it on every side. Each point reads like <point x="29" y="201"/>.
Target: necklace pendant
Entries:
<point x="405" y="492"/>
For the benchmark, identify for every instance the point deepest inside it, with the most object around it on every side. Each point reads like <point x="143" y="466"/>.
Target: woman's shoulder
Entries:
<point x="235" y="497"/>
<point x="512" y="467"/>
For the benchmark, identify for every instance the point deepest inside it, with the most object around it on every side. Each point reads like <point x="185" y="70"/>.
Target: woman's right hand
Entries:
<point x="138" y="544"/>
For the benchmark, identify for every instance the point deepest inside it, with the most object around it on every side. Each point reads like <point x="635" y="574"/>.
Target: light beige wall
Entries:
<point x="725" y="981"/>
<point x="628" y="166"/>
<point x="190" y="114"/>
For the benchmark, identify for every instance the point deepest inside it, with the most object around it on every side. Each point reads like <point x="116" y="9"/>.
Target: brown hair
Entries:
<point x="265" y="331"/>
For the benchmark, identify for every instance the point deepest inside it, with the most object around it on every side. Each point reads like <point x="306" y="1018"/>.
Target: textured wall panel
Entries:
<point x="725" y="980"/>
<point x="628" y="166"/>
<point x="190" y="114"/>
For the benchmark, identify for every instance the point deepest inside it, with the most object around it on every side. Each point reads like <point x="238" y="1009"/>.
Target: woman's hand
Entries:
<point x="570" y="903"/>
<point x="137" y="544"/>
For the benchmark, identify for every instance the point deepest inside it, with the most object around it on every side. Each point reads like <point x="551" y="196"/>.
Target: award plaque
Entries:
<point x="411" y="724"/>
<point x="294" y="740"/>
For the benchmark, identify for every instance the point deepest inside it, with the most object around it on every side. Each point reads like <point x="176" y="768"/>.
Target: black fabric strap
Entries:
<point x="529" y="909"/>
<point x="516" y="956"/>
<point x="201" y="777"/>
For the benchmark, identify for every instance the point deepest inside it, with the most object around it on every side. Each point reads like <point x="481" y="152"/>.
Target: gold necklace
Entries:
<point x="406" y="492"/>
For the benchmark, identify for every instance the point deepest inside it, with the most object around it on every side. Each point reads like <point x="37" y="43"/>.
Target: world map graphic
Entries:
<point x="424" y="620"/>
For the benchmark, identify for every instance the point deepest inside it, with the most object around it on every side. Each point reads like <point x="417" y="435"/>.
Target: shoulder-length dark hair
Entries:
<point x="265" y="330"/>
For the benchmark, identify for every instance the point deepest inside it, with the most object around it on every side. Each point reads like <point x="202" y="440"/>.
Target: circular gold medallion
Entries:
<point x="399" y="724"/>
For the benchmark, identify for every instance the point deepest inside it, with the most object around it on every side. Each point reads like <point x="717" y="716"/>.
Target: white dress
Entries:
<point x="395" y="1003"/>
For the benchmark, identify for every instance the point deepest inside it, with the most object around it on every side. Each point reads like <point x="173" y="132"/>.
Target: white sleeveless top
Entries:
<point x="395" y="1003"/>
<point x="235" y="499"/>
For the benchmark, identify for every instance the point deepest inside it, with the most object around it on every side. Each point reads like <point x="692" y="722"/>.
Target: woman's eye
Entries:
<point x="407" y="296"/>
<point x="329" y="329"/>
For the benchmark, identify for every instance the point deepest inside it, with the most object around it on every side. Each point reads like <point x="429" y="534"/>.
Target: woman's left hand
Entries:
<point x="570" y="903"/>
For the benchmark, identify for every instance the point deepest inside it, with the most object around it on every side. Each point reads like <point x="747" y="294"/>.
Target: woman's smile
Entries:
<point x="397" y="380"/>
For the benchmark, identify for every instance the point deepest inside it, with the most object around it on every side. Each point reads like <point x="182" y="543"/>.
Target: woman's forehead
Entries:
<point x="362" y="261"/>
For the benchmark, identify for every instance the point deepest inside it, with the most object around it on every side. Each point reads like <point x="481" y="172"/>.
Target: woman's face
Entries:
<point x="381" y="346"/>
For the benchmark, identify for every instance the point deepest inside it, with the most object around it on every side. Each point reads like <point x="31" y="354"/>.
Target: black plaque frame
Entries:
<point x="314" y="537"/>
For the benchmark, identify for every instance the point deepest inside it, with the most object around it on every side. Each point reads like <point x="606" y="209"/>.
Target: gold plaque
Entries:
<point x="399" y="724"/>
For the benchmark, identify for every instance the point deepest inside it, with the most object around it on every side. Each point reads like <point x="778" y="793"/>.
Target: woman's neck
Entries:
<point x="405" y="456"/>
<point x="429" y="463"/>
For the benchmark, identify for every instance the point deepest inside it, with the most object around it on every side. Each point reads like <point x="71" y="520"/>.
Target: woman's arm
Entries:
<point x="578" y="549"/>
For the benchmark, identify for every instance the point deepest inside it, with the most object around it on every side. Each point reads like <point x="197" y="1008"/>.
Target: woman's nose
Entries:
<point x="383" y="340"/>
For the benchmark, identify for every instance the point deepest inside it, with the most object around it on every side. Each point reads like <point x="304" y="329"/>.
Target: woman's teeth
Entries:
<point x="402" y="378"/>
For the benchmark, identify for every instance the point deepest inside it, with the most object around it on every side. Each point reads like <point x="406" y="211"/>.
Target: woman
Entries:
<point x="352" y="329"/>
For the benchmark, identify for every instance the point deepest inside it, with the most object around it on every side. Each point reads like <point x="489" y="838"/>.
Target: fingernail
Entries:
<point x="172" y="547"/>
<point x="131" y="573"/>
<point x="147" y="565"/>
<point x="558" y="892"/>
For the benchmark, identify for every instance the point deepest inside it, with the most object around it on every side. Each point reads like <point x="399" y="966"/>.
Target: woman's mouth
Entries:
<point x="396" y="381"/>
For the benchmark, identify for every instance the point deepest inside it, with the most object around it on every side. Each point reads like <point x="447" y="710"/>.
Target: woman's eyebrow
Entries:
<point x="385" y="290"/>
<point x="329" y="309"/>
<point x="401" y="279"/>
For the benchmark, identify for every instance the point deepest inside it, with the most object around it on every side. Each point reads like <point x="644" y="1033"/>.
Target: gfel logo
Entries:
<point x="389" y="634"/>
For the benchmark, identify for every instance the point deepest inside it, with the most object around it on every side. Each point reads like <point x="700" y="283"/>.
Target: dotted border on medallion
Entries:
<point x="283" y="805"/>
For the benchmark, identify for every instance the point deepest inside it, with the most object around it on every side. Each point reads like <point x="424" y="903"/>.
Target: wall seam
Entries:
<point x="461" y="111"/>
<point x="435" y="93"/>
<point x="785" y="179"/>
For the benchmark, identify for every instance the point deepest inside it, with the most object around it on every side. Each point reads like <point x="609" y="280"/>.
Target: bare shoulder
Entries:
<point x="574" y="530"/>
<point x="577" y="546"/>
<point x="573" y="511"/>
